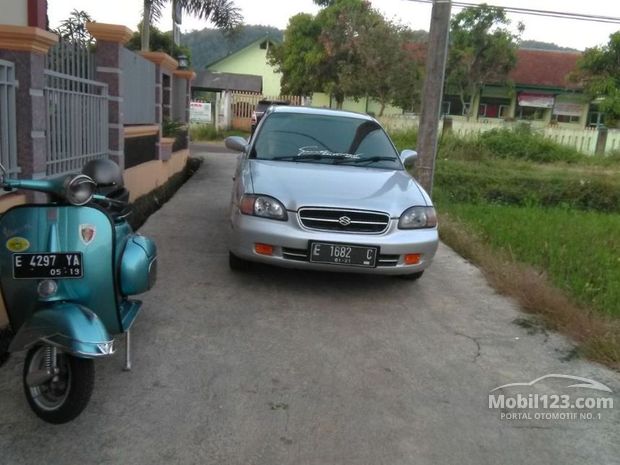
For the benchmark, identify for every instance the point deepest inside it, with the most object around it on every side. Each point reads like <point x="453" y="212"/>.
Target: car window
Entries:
<point x="324" y="139"/>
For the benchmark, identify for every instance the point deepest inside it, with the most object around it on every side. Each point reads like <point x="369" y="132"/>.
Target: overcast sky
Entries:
<point x="565" y="32"/>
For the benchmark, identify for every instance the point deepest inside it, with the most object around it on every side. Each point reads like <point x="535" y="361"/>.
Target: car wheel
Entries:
<point x="238" y="264"/>
<point x="412" y="276"/>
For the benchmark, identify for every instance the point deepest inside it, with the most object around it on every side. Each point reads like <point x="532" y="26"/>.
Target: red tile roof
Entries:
<point x="545" y="68"/>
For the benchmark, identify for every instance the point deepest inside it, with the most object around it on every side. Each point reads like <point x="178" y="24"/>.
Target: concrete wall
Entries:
<point x="143" y="178"/>
<point x="14" y="12"/>
<point x="7" y="201"/>
<point x="581" y="139"/>
<point x="363" y="105"/>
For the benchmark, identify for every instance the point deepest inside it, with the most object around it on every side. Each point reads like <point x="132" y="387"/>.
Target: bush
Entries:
<point x="200" y="132"/>
<point x="405" y="139"/>
<point x="462" y="181"/>
<point x="523" y="144"/>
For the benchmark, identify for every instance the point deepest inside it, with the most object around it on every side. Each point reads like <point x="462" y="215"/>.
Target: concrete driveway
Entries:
<point x="283" y="367"/>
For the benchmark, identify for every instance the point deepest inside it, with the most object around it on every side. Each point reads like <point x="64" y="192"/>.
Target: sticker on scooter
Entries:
<point x="87" y="233"/>
<point x="17" y="244"/>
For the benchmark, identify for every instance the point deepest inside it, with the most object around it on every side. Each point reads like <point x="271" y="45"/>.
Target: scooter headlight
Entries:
<point x="79" y="189"/>
<point x="47" y="288"/>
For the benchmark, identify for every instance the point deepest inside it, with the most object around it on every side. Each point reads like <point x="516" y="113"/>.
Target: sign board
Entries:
<point x="568" y="109"/>
<point x="200" y="112"/>
<point x="527" y="99"/>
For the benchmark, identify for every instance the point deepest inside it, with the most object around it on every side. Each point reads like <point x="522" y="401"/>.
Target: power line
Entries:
<point x="534" y="12"/>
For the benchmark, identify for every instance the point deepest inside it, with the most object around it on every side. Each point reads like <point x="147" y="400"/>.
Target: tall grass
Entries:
<point x="579" y="250"/>
<point x="208" y="132"/>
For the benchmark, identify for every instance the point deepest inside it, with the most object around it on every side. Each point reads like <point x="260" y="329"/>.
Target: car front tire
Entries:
<point x="412" y="276"/>
<point x="237" y="264"/>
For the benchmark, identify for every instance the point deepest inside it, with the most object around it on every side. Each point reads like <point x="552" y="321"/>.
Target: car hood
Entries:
<point x="312" y="184"/>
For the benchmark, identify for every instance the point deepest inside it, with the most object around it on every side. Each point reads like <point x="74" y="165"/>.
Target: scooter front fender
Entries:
<point x="71" y="327"/>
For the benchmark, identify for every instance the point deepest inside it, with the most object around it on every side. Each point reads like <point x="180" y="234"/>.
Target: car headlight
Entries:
<point x="417" y="218"/>
<point x="263" y="206"/>
<point x="79" y="189"/>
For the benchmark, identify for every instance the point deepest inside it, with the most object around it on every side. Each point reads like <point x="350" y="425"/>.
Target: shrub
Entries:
<point x="405" y="139"/>
<point x="200" y="132"/>
<point x="523" y="144"/>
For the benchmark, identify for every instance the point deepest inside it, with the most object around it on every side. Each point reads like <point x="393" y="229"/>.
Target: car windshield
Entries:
<point x="327" y="139"/>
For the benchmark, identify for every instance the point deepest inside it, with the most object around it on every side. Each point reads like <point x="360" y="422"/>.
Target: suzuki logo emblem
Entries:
<point x="344" y="220"/>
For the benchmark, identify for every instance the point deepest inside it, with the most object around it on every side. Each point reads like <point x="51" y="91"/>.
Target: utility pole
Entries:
<point x="432" y="92"/>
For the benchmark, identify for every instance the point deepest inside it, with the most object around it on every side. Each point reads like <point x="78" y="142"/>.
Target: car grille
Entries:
<point x="301" y="255"/>
<point x="339" y="220"/>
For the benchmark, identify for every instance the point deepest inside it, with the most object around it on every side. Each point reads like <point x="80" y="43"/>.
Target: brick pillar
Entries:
<point x="26" y="47"/>
<point x="110" y="41"/>
<point x="164" y="65"/>
<point x="186" y="76"/>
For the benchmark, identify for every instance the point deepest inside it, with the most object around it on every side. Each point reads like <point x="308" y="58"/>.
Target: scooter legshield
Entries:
<point x="69" y="326"/>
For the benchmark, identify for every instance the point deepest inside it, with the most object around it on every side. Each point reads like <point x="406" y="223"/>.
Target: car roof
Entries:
<point x="320" y="111"/>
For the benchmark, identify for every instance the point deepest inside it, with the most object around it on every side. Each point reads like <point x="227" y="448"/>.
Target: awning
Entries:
<point x="568" y="109"/>
<point x="528" y="99"/>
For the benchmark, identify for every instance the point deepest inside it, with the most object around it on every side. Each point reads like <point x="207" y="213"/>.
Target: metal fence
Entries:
<point x="8" y="135"/>
<point x="138" y="83"/>
<point x="72" y="58"/>
<point x="77" y="121"/>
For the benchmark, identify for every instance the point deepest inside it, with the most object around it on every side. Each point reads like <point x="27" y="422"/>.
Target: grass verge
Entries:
<point x="207" y="132"/>
<point x="596" y="332"/>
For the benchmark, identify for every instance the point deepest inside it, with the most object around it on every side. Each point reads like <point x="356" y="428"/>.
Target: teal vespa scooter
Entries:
<point x="67" y="268"/>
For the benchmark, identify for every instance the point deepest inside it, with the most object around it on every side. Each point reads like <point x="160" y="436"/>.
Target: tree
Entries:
<point x="390" y="63"/>
<point x="348" y="49"/>
<point x="74" y="29"/>
<point x="300" y="57"/>
<point x="223" y="13"/>
<point x="599" y="71"/>
<point x="482" y="51"/>
<point x="343" y="25"/>
<point x="160" y="42"/>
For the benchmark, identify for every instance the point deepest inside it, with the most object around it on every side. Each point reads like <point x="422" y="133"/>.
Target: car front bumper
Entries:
<point x="290" y="241"/>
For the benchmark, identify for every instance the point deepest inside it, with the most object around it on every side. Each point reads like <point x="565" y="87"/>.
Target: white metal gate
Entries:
<point x="8" y="134"/>
<point x="77" y="109"/>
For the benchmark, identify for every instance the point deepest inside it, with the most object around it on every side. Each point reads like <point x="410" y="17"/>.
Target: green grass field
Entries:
<point x="579" y="250"/>
<point x="543" y="204"/>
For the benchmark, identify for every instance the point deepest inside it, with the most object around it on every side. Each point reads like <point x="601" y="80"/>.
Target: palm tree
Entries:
<point x="223" y="13"/>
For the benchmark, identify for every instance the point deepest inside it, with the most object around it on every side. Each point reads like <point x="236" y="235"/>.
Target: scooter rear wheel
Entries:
<point x="65" y="396"/>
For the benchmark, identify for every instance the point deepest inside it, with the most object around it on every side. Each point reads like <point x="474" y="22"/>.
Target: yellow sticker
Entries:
<point x="17" y="244"/>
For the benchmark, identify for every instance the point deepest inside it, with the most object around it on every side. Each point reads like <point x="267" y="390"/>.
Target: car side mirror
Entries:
<point x="408" y="157"/>
<point x="236" y="143"/>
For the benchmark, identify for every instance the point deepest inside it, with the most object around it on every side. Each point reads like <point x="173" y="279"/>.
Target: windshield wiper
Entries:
<point x="308" y="156"/>
<point x="366" y="160"/>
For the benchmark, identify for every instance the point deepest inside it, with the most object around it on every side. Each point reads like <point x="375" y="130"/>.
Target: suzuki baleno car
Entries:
<point x="326" y="190"/>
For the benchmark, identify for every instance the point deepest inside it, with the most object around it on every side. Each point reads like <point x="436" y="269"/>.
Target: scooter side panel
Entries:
<point x="72" y="327"/>
<point x="61" y="228"/>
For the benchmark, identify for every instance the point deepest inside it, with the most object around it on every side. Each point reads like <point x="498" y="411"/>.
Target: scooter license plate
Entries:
<point x="47" y="265"/>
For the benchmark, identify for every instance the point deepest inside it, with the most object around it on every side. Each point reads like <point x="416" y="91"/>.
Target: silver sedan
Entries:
<point x="326" y="190"/>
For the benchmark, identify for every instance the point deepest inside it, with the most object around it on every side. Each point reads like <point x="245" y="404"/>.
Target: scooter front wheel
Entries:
<point x="59" y="396"/>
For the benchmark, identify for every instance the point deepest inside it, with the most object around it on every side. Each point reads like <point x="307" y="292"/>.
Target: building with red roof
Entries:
<point x="540" y="90"/>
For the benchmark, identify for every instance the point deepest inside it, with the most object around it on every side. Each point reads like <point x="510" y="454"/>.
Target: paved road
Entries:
<point x="281" y="367"/>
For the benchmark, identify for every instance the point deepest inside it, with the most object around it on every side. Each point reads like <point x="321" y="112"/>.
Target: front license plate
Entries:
<point x="343" y="254"/>
<point x="47" y="265"/>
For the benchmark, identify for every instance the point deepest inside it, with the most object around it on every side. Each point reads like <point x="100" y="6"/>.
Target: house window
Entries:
<point x="482" y="109"/>
<point x="531" y="113"/>
<point x="567" y="119"/>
